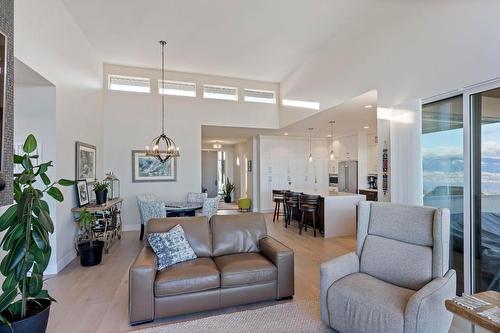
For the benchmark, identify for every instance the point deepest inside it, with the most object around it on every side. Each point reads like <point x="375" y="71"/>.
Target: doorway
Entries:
<point x="209" y="173"/>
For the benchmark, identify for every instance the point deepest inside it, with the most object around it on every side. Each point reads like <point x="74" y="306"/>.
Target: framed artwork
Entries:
<point x="150" y="169"/>
<point x="82" y="191"/>
<point x="249" y="166"/>
<point x="85" y="162"/>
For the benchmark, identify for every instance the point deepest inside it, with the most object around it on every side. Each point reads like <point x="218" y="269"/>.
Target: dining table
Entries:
<point x="181" y="208"/>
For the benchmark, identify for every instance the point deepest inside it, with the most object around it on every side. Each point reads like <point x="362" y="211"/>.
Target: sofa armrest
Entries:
<point x="426" y="311"/>
<point x="282" y="257"/>
<point x="332" y="271"/>
<point x="142" y="275"/>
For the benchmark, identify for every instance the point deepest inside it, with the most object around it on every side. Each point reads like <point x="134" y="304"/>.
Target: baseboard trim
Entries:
<point x="64" y="261"/>
<point x="131" y="227"/>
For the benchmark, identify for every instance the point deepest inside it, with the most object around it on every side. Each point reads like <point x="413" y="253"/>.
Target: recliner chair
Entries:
<point x="397" y="279"/>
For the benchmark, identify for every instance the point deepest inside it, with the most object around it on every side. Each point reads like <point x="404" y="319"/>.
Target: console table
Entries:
<point x="108" y="226"/>
<point x="490" y="296"/>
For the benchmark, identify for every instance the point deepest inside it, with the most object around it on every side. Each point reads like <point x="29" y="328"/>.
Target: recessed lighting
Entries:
<point x="366" y="127"/>
<point x="329" y="136"/>
<point x="368" y="106"/>
<point x="285" y="133"/>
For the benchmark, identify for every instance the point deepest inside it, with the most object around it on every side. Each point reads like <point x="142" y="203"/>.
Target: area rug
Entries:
<point x="302" y="316"/>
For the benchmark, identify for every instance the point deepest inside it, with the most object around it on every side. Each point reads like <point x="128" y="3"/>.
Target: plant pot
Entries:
<point x="36" y="323"/>
<point x="90" y="255"/>
<point x="227" y="199"/>
<point x="101" y="197"/>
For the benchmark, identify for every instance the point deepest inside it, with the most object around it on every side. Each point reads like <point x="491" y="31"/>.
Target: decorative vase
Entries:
<point x="101" y="197"/>
<point x="36" y="323"/>
<point x="90" y="255"/>
<point x="227" y="199"/>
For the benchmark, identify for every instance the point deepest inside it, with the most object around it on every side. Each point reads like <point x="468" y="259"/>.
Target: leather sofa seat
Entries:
<point x="243" y="269"/>
<point x="187" y="277"/>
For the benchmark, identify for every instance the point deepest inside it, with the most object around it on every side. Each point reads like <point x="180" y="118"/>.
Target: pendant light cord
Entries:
<point x="163" y="86"/>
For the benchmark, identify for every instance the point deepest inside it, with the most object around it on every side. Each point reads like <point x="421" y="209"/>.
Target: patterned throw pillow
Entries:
<point x="171" y="247"/>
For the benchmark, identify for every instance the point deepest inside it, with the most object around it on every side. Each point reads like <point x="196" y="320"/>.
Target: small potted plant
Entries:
<point x="24" y="304"/>
<point x="90" y="251"/>
<point x="101" y="192"/>
<point x="227" y="190"/>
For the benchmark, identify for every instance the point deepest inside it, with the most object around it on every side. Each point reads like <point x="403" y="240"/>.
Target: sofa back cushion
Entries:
<point x="196" y="229"/>
<point x="237" y="233"/>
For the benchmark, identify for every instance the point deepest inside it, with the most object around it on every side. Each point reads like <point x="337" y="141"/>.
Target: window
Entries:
<point x="260" y="96"/>
<point x="128" y="83"/>
<point x="220" y="92"/>
<point x="177" y="88"/>
<point x="301" y="104"/>
<point x="443" y="170"/>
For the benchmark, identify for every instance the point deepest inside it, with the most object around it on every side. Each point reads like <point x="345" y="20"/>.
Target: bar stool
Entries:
<point x="279" y="200"/>
<point x="291" y="203"/>
<point x="309" y="205"/>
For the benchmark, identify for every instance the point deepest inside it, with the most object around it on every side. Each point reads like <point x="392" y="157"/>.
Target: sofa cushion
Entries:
<point x="362" y="303"/>
<point x="196" y="229"/>
<point x="237" y="233"/>
<point x="187" y="277"/>
<point x="245" y="269"/>
<point x="171" y="247"/>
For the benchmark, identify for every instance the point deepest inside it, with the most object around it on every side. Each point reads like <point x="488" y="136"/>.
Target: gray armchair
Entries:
<point x="397" y="279"/>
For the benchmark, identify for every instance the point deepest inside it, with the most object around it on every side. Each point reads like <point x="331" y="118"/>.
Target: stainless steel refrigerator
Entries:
<point x="348" y="176"/>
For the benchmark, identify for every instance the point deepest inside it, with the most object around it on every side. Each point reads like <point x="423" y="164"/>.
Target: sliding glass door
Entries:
<point x="485" y="130"/>
<point x="443" y="170"/>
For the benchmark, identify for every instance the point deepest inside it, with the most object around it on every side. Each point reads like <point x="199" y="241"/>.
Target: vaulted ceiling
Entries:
<point x="258" y="39"/>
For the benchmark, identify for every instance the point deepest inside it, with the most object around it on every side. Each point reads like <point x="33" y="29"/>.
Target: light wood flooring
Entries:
<point x="94" y="299"/>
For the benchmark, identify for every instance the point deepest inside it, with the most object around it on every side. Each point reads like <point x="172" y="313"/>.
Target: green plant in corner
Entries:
<point x="227" y="189"/>
<point x="28" y="225"/>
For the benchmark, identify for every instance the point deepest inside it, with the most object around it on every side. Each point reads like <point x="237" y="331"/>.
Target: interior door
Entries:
<point x="209" y="172"/>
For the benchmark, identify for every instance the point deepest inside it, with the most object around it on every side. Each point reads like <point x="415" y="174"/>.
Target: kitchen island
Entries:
<point x="337" y="216"/>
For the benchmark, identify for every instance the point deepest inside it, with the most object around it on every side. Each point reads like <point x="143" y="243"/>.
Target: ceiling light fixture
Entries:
<point x="310" y="140"/>
<point x="286" y="133"/>
<point x="162" y="147"/>
<point x="368" y="106"/>
<point x="366" y="127"/>
<point x="332" y="156"/>
<point x="217" y="145"/>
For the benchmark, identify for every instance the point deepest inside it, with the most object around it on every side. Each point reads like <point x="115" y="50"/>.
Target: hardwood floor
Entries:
<point x="95" y="299"/>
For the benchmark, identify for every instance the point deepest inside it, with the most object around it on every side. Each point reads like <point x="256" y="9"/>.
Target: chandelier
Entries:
<point x="162" y="147"/>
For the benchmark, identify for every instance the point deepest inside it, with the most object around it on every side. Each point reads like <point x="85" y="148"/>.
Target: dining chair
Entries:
<point x="210" y="207"/>
<point x="149" y="208"/>
<point x="193" y="197"/>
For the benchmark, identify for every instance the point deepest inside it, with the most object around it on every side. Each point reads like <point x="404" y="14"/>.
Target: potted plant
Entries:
<point x="101" y="192"/>
<point x="24" y="305"/>
<point x="227" y="190"/>
<point x="90" y="251"/>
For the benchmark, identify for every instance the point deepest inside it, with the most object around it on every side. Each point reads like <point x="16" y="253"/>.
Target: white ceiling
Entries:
<point x="257" y="39"/>
<point x="350" y="118"/>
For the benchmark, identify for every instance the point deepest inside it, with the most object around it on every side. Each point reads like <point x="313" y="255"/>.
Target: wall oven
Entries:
<point x="333" y="180"/>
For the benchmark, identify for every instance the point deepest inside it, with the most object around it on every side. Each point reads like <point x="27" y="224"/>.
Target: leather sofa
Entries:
<point x="238" y="263"/>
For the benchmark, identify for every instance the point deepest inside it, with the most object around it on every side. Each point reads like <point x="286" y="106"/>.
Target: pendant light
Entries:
<point x="332" y="156"/>
<point x="162" y="147"/>
<point x="310" y="139"/>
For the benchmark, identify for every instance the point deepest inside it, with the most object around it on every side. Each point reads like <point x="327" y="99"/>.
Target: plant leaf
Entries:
<point x="44" y="294"/>
<point x="10" y="282"/>
<point x="15" y="255"/>
<point x="8" y="217"/>
<point x="66" y="182"/>
<point x="7" y="298"/>
<point x="26" y="177"/>
<point x="40" y="236"/>
<point x="41" y="258"/>
<point x="35" y="284"/>
<point x="18" y="159"/>
<point x="45" y="179"/>
<point x="16" y="307"/>
<point x="14" y="235"/>
<point x="26" y="163"/>
<point x="55" y="193"/>
<point x="46" y="221"/>
<point x="30" y="144"/>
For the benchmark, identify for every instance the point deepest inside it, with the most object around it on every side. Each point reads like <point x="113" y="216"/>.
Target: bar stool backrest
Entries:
<point x="278" y="194"/>
<point x="308" y="199"/>
<point x="292" y="197"/>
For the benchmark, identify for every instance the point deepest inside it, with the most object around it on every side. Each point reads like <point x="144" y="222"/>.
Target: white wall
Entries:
<point x="131" y="120"/>
<point x="425" y="49"/>
<point x="239" y="171"/>
<point x="49" y="41"/>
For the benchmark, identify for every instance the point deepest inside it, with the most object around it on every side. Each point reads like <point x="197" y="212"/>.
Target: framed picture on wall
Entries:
<point x="82" y="192"/>
<point x="249" y="166"/>
<point x="150" y="169"/>
<point x="85" y="162"/>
